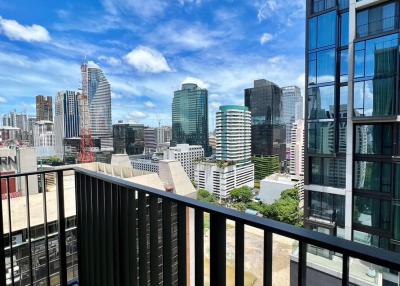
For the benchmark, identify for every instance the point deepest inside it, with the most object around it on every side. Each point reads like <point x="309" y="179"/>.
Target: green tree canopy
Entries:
<point x="205" y="196"/>
<point x="242" y="195"/>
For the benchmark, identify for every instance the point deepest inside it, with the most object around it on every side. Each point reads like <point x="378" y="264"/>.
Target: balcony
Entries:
<point x="129" y="234"/>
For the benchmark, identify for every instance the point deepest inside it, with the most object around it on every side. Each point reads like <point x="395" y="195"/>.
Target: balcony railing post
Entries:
<point x="217" y="250"/>
<point x="61" y="229"/>
<point x="2" y="252"/>
<point x="268" y="258"/>
<point x="345" y="270"/>
<point x="239" y="254"/>
<point x="302" y="264"/>
<point x="199" y="247"/>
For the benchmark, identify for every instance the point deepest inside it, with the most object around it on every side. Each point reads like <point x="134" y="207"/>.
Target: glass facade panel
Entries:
<point x="321" y="101"/>
<point x="327" y="206"/>
<point x="374" y="139"/>
<point x="312" y="33"/>
<point x="342" y="136"/>
<point x="396" y="222"/>
<point x="377" y="19"/>
<point x="326" y="63"/>
<point x="366" y="211"/>
<point x="344" y="92"/>
<point x="322" y="5"/>
<point x="343" y="4"/>
<point x="321" y="137"/>
<point x="344" y="65"/>
<point x="344" y="29"/>
<point x="372" y="176"/>
<point x="328" y="171"/>
<point x="326" y="35"/>
<point x="397" y="182"/>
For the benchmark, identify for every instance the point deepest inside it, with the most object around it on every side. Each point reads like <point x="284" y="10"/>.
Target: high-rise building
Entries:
<point x="66" y="119"/>
<point x="43" y="138"/>
<point x="187" y="155"/>
<point x="233" y="167"/>
<point x="98" y="91"/>
<point x="164" y="134"/>
<point x="44" y="108"/>
<point x="128" y="138"/>
<point x="190" y="117"/>
<point x="296" y="166"/>
<point x="351" y="171"/>
<point x="292" y="108"/>
<point x="264" y="101"/>
<point x="150" y="140"/>
<point x="233" y="134"/>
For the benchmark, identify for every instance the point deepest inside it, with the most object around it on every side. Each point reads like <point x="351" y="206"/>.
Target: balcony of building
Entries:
<point x="85" y="227"/>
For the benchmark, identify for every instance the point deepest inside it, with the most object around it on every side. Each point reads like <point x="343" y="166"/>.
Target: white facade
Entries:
<point x="145" y="165"/>
<point x="272" y="187"/>
<point x="221" y="180"/>
<point x="187" y="155"/>
<point x="296" y="164"/>
<point x="233" y="134"/>
<point x="43" y="138"/>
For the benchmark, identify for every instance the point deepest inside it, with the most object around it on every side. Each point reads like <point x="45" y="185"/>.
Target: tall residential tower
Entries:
<point x="44" y="108"/>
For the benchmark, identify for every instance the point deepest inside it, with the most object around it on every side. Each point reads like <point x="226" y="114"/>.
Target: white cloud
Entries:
<point x="15" y="31"/>
<point x="145" y="59"/>
<point x="282" y="11"/>
<point x="183" y="2"/>
<point x="215" y="105"/>
<point x="116" y="95"/>
<point x="197" y="81"/>
<point x="144" y="9"/>
<point x="112" y="61"/>
<point x="265" y="38"/>
<point x="149" y="104"/>
<point x="3" y="99"/>
<point x="136" y="115"/>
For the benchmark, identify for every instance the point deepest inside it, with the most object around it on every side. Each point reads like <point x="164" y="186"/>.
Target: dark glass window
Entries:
<point x="312" y="33"/>
<point x="321" y="101"/>
<point x="344" y="29"/>
<point x="312" y="69"/>
<point x="372" y="212"/>
<point x="344" y="92"/>
<point x="375" y="97"/>
<point x="397" y="183"/>
<point x="327" y="206"/>
<point x="377" y="19"/>
<point x="376" y="57"/>
<point x="321" y="137"/>
<point x="370" y="239"/>
<point x="343" y="4"/>
<point x="322" y="5"/>
<point x="344" y="65"/>
<point x="396" y="222"/>
<point x="374" y="139"/>
<point x="372" y="176"/>
<point x="328" y="171"/>
<point x="326" y="66"/>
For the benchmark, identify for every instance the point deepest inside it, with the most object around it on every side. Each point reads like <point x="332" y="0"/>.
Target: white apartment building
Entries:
<point x="145" y="165"/>
<point x="43" y="138"/>
<point x="233" y="167"/>
<point x="187" y="155"/>
<point x="296" y="163"/>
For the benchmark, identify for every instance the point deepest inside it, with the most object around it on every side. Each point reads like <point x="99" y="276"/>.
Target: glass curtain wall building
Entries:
<point x="190" y="117"/>
<point x="352" y="170"/>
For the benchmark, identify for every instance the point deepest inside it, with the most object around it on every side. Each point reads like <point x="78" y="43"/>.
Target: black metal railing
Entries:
<point x="129" y="234"/>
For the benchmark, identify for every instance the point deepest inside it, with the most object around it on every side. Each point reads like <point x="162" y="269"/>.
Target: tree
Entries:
<point x="241" y="195"/>
<point x="205" y="196"/>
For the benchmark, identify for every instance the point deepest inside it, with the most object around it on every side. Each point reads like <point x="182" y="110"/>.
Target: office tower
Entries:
<point x="44" y="108"/>
<point x="190" y="117"/>
<point x="150" y="140"/>
<point x="296" y="166"/>
<point x="233" y="134"/>
<point x="98" y="91"/>
<point x="187" y="155"/>
<point x="264" y="101"/>
<point x="164" y="134"/>
<point x="351" y="171"/>
<point x="233" y="167"/>
<point x="292" y="108"/>
<point x="43" y="138"/>
<point x="128" y="138"/>
<point x="66" y="118"/>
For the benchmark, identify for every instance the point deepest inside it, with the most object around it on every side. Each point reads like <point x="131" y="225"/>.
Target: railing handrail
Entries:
<point x="38" y="172"/>
<point x="370" y="254"/>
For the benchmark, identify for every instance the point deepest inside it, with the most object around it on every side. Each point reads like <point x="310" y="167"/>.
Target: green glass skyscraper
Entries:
<point x="190" y="116"/>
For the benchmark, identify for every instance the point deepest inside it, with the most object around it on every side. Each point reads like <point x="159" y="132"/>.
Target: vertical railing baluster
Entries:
<point x="46" y="229"/>
<point x="28" y="223"/>
<point x="345" y="270"/>
<point x="199" y="246"/>
<point x="116" y="207"/>
<point x="302" y="264"/>
<point x="154" y="251"/>
<point x="79" y="218"/>
<point x="143" y="269"/>
<point x="217" y="250"/>
<point x="2" y="252"/>
<point x="239" y="254"/>
<point x="10" y="231"/>
<point x="61" y="229"/>
<point x="182" y="261"/>
<point x="268" y="258"/>
<point x="132" y="234"/>
<point x="167" y="238"/>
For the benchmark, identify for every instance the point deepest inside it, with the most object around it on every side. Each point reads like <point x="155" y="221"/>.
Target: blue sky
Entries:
<point x="147" y="49"/>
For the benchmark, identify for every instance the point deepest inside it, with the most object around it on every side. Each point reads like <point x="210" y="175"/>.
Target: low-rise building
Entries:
<point x="148" y="165"/>
<point x="271" y="187"/>
<point x="43" y="138"/>
<point x="187" y="155"/>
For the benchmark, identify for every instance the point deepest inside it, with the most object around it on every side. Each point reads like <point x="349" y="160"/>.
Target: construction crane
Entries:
<point x="86" y="154"/>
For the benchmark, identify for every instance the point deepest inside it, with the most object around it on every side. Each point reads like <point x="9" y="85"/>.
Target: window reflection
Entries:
<point x="328" y="171"/>
<point x="372" y="176"/>
<point x="321" y="102"/>
<point x="374" y="139"/>
<point x="321" y="137"/>
<point x="372" y="212"/>
<point x="322" y="31"/>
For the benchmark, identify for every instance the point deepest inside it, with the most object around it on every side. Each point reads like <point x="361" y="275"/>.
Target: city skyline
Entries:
<point x="142" y="91"/>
